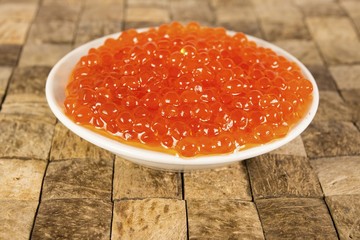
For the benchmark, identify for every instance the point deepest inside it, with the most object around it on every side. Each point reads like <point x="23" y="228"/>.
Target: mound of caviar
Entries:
<point x="188" y="90"/>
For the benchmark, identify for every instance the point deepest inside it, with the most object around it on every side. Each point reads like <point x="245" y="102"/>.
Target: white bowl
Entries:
<point x="55" y="94"/>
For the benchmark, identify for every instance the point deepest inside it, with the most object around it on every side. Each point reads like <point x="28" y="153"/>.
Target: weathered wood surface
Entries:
<point x="51" y="180"/>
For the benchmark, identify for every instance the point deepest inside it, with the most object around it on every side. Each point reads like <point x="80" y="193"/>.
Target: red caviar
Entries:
<point x="190" y="89"/>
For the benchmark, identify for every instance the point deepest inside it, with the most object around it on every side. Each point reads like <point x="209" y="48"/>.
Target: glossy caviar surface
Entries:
<point x="188" y="90"/>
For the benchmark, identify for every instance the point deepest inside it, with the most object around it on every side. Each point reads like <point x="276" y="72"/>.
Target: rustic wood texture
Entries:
<point x="231" y="182"/>
<point x="85" y="178"/>
<point x="336" y="39"/>
<point x="293" y="148"/>
<point x="5" y="73"/>
<point x="9" y="54"/>
<point x="24" y="138"/>
<point x="345" y="210"/>
<point x="67" y="145"/>
<point x="134" y="181"/>
<point x="149" y="219"/>
<point x="295" y="218"/>
<point x="21" y="180"/>
<point x="73" y="219"/>
<point x="338" y="175"/>
<point x="28" y="84"/>
<point x="17" y="218"/>
<point x="55" y="185"/>
<point x="332" y="107"/>
<point x="223" y="219"/>
<point x="342" y="138"/>
<point x="279" y="176"/>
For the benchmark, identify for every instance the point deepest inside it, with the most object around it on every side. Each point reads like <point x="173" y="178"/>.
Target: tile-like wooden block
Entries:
<point x="146" y="3"/>
<point x="141" y="14"/>
<point x="18" y="12"/>
<point x="101" y="12"/>
<point x="292" y="218"/>
<point x="230" y="182"/>
<point x="352" y="99"/>
<point x="281" y="22"/>
<point x="352" y="7"/>
<point x="9" y="54"/>
<point x="5" y="73"/>
<point x="149" y="218"/>
<point x="293" y="148"/>
<point x="21" y="179"/>
<point x="86" y="178"/>
<point x="23" y="137"/>
<point x="28" y="85"/>
<point x="90" y="30"/>
<point x="67" y="145"/>
<point x="228" y="3"/>
<point x="330" y="139"/>
<point x="52" y="31"/>
<point x="59" y="10"/>
<point x="346" y="77"/>
<point x="321" y="8"/>
<point x="274" y="176"/>
<point x="73" y="219"/>
<point x="223" y="219"/>
<point x="304" y="50"/>
<point x="240" y="19"/>
<point x="332" y="107"/>
<point x="138" y="24"/>
<point x="134" y="181"/>
<point x="183" y="10"/>
<point x="345" y="211"/>
<point x="338" y="175"/>
<point x="16" y="218"/>
<point x="336" y="39"/>
<point x="323" y="78"/>
<point x="43" y="54"/>
<point x="75" y="4"/>
<point x="13" y="32"/>
<point x="28" y="109"/>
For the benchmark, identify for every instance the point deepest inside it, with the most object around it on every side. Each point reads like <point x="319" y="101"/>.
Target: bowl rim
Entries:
<point x="145" y="155"/>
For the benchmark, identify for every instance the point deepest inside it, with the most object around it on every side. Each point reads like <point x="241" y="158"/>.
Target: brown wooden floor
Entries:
<point x="53" y="185"/>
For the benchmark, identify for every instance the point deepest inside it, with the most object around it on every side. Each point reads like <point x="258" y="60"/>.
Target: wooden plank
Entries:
<point x="16" y="218"/>
<point x="282" y="176"/>
<point x="67" y="145"/>
<point x="24" y="137"/>
<point x="338" y="175"/>
<point x="223" y="219"/>
<point x="293" y="218"/>
<point x="78" y="178"/>
<point x="345" y="210"/>
<point x="230" y="182"/>
<point x="73" y="219"/>
<point x="331" y="138"/>
<point x="134" y="181"/>
<point x="149" y="219"/>
<point x="21" y="179"/>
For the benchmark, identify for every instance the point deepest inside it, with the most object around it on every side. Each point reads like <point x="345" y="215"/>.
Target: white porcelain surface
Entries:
<point x="55" y="94"/>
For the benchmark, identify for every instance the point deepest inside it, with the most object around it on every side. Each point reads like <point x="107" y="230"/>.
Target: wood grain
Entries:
<point x="282" y="176"/>
<point x="231" y="182"/>
<point x="345" y="210"/>
<point x="134" y="181"/>
<point x="295" y="218"/>
<point x="73" y="219"/>
<point x="150" y="219"/>
<point x="223" y="219"/>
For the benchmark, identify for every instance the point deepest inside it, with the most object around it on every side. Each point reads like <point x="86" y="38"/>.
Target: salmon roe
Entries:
<point x="188" y="90"/>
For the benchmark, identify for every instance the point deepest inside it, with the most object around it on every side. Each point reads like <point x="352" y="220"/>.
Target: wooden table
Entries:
<point x="54" y="185"/>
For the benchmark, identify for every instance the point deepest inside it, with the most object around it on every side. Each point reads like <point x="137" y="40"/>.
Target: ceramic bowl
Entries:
<point x="55" y="94"/>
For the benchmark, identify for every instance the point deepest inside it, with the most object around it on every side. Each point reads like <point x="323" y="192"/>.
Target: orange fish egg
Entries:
<point x="187" y="89"/>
